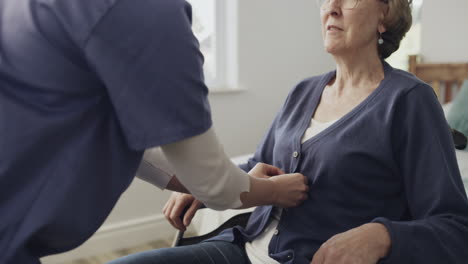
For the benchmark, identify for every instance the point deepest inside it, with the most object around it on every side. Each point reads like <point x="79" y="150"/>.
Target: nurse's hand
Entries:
<point x="366" y="244"/>
<point x="283" y="190"/>
<point x="263" y="170"/>
<point x="175" y="207"/>
<point x="288" y="189"/>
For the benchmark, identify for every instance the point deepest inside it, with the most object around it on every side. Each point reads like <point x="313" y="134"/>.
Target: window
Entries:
<point x="210" y="25"/>
<point x="411" y="44"/>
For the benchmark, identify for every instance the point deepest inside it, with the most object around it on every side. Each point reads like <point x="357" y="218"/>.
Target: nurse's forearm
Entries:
<point x="155" y="169"/>
<point x="205" y="170"/>
<point x="260" y="193"/>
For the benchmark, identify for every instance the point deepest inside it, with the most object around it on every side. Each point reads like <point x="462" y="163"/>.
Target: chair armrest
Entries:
<point x="237" y="220"/>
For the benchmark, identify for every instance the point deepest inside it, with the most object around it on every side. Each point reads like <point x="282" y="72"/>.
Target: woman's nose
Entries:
<point x="333" y="7"/>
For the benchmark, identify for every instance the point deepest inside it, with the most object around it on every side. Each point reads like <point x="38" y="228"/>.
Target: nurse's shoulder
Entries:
<point x="81" y="18"/>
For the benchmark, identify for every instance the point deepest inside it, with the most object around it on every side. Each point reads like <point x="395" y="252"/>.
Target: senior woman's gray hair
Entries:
<point x="397" y="22"/>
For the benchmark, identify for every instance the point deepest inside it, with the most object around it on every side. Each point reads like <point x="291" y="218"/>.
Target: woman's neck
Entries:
<point x="358" y="71"/>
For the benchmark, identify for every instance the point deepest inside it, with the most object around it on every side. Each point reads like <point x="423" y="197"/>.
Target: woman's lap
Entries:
<point x="213" y="252"/>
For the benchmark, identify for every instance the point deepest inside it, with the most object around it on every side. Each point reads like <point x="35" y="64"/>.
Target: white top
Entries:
<point x="201" y="166"/>
<point x="314" y="128"/>
<point x="257" y="250"/>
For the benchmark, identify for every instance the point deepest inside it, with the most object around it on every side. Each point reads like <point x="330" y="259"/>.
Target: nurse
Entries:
<point x="85" y="88"/>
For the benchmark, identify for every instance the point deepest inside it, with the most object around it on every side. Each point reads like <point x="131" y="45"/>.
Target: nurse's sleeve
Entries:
<point x="149" y="62"/>
<point x="202" y="166"/>
<point x="438" y="229"/>
<point x="155" y="168"/>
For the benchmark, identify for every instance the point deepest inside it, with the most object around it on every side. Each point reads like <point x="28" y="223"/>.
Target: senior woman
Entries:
<point x="373" y="141"/>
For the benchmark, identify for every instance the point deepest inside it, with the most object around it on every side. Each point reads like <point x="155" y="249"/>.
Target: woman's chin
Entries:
<point x="333" y="50"/>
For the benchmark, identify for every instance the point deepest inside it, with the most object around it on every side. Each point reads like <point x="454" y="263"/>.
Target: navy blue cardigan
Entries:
<point x="390" y="160"/>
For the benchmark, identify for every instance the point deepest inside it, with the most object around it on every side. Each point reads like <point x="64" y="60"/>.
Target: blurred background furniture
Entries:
<point x="445" y="78"/>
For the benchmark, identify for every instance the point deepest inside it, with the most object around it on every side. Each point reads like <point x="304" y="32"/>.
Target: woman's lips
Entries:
<point x="333" y="28"/>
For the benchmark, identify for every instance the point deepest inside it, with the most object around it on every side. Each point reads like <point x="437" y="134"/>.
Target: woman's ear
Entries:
<point x="381" y="28"/>
<point x="383" y="17"/>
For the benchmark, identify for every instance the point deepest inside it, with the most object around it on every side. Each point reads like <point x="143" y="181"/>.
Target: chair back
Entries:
<point x="445" y="78"/>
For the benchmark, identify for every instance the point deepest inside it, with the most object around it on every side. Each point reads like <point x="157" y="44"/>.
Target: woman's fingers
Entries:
<point x="168" y="203"/>
<point x="177" y="213"/>
<point x="168" y="210"/>
<point x="191" y="212"/>
<point x="175" y="209"/>
<point x="172" y="211"/>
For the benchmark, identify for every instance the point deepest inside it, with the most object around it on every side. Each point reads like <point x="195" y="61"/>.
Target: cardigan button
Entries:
<point x="295" y="154"/>
<point x="276" y="232"/>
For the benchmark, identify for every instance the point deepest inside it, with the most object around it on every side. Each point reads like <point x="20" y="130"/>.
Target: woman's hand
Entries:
<point x="175" y="206"/>
<point x="362" y="245"/>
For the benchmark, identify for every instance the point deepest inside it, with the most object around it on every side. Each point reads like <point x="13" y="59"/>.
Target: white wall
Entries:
<point x="279" y="45"/>
<point x="444" y="31"/>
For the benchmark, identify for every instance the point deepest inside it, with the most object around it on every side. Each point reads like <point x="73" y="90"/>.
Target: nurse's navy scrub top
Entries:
<point x="85" y="87"/>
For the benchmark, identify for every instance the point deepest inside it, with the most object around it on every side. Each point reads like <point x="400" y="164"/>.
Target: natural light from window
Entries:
<point x="411" y="44"/>
<point x="204" y="18"/>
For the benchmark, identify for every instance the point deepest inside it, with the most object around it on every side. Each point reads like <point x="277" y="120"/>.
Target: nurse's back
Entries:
<point x="67" y="148"/>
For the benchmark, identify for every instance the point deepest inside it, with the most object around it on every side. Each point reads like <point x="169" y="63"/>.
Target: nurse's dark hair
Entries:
<point x="397" y="22"/>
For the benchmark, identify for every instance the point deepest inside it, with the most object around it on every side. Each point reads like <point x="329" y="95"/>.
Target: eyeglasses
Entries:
<point x="345" y="4"/>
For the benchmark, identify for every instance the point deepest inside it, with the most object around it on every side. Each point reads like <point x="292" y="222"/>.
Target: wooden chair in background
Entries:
<point x="445" y="78"/>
